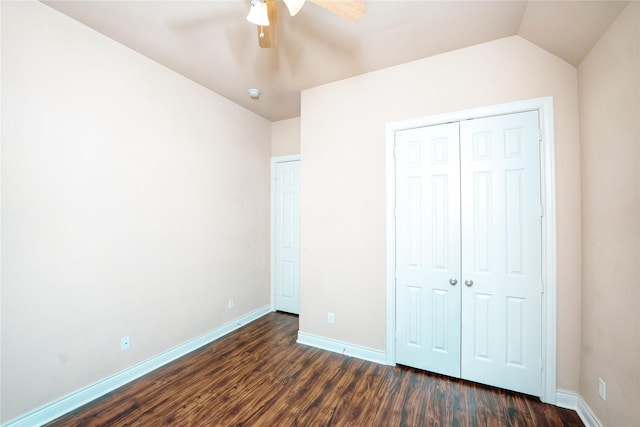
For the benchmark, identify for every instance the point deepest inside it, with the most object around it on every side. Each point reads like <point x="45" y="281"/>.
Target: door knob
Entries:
<point x="453" y="281"/>
<point x="468" y="282"/>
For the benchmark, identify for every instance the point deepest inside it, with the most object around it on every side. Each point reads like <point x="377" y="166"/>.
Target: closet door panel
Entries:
<point x="428" y="248"/>
<point x="501" y="251"/>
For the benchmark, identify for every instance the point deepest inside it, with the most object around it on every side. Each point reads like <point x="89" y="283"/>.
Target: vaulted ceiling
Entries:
<point x="213" y="44"/>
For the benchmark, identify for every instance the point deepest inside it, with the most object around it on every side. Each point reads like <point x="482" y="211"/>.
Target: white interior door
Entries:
<point x="286" y="235"/>
<point x="501" y="252"/>
<point x="428" y="248"/>
<point x="468" y="250"/>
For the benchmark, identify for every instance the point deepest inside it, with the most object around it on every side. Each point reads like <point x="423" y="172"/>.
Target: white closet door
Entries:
<point x="428" y="248"/>
<point x="287" y="236"/>
<point x="501" y="251"/>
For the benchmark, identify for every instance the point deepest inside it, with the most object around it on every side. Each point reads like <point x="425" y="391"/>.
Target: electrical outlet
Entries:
<point x="602" y="389"/>
<point x="330" y="317"/>
<point x="230" y="303"/>
<point x="124" y="343"/>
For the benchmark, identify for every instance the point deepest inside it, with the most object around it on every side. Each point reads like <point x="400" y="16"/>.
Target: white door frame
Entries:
<point x="544" y="106"/>
<point x="274" y="161"/>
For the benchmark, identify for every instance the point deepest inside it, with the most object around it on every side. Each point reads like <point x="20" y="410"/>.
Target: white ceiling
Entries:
<point x="212" y="43"/>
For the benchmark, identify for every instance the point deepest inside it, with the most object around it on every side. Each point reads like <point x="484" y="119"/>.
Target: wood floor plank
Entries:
<point x="259" y="376"/>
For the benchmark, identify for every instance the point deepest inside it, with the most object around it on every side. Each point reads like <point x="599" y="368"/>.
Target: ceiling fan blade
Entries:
<point x="352" y="10"/>
<point x="268" y="36"/>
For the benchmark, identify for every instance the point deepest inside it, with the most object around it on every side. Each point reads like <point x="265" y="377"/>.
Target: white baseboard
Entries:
<point x="68" y="403"/>
<point x="570" y="400"/>
<point x="347" y="349"/>
<point x="586" y="414"/>
<point x="566" y="399"/>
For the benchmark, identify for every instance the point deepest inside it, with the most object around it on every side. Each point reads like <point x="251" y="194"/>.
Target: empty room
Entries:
<point x="347" y="212"/>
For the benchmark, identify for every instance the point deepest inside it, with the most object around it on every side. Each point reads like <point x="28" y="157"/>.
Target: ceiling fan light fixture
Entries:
<point x="258" y="13"/>
<point x="294" y="6"/>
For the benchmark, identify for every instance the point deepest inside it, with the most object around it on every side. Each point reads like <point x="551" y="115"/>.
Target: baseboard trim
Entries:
<point x="68" y="403"/>
<point x="566" y="399"/>
<point x="341" y="347"/>
<point x="586" y="414"/>
<point x="570" y="400"/>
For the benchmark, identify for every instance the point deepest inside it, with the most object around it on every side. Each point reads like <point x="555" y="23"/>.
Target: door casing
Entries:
<point x="544" y="106"/>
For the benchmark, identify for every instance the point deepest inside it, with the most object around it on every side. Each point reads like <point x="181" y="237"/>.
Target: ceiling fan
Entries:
<point x="263" y="14"/>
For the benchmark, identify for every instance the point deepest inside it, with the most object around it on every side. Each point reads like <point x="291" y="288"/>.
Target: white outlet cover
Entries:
<point x="602" y="389"/>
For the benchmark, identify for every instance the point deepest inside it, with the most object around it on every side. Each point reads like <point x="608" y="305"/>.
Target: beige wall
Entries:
<point x="285" y="137"/>
<point x="134" y="202"/>
<point x="610" y="155"/>
<point x="343" y="180"/>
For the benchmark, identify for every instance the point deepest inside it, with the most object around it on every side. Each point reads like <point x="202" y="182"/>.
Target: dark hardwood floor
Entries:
<point x="259" y="376"/>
